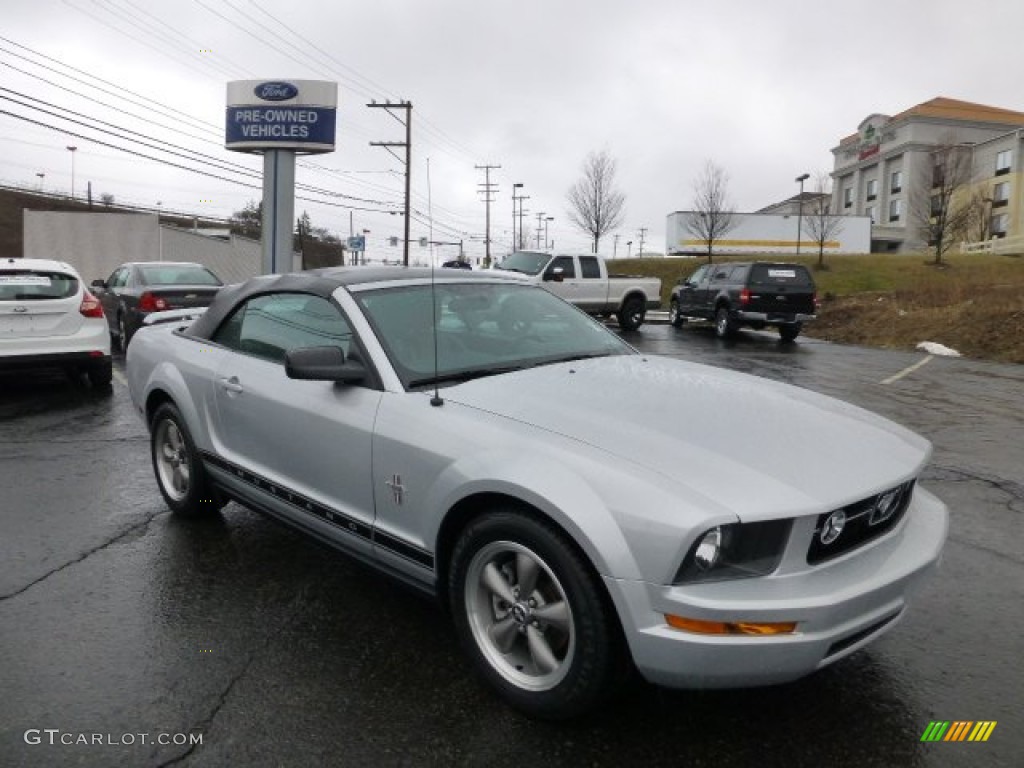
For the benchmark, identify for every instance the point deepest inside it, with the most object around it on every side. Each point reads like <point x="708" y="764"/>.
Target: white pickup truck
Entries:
<point x="585" y="282"/>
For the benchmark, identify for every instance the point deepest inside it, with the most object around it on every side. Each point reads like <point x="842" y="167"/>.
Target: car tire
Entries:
<point x="724" y="324"/>
<point x="178" y="466"/>
<point x="789" y="332"/>
<point x="101" y="376"/>
<point x="123" y="335"/>
<point x="553" y="653"/>
<point x="674" y="318"/>
<point x="631" y="314"/>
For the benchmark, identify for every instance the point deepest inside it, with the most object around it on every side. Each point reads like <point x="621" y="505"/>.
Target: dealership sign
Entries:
<point x="281" y="114"/>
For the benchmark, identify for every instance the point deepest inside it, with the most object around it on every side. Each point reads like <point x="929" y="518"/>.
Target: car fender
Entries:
<point x="552" y="487"/>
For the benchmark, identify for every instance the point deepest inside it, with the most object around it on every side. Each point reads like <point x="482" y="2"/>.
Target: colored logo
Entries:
<point x="958" y="730"/>
<point x="276" y="91"/>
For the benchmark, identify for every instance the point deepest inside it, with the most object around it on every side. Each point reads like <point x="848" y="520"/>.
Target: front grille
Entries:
<point x="861" y="522"/>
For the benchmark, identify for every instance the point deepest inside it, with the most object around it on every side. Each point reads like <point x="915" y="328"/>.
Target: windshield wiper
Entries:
<point x="476" y="373"/>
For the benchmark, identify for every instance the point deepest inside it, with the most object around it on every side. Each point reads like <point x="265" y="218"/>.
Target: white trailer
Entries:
<point x="755" y="233"/>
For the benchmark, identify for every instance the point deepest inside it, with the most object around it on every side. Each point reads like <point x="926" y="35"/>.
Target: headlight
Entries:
<point x="735" y="551"/>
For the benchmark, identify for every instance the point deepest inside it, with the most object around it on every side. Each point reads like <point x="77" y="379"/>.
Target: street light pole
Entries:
<point x="800" y="209"/>
<point x="540" y="218"/>
<point x="546" y="221"/>
<point x="72" y="151"/>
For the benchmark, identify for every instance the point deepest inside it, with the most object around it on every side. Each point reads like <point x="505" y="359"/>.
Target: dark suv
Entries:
<point x="753" y="294"/>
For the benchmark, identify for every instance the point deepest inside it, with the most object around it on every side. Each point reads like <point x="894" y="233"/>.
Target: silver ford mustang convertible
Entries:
<point x="581" y="510"/>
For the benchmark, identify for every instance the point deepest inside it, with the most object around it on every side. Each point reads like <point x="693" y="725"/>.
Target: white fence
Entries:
<point x="998" y="245"/>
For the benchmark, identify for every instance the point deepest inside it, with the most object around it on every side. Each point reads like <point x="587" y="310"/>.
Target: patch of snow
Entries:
<point x="934" y="348"/>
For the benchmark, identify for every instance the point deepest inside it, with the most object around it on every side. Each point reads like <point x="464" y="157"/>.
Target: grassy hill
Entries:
<point x="972" y="303"/>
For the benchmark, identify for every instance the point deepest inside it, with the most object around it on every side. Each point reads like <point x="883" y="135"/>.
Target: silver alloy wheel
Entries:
<point x="673" y="312"/>
<point x="519" y="616"/>
<point x="172" y="459"/>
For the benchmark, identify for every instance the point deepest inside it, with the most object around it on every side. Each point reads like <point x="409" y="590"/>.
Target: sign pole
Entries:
<point x="278" y="210"/>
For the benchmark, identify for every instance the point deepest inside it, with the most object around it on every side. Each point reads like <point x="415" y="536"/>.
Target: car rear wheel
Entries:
<point x="674" y="318"/>
<point x="122" y="332"/>
<point x="530" y="613"/>
<point x="101" y="375"/>
<point x="178" y="467"/>
<point x="632" y="313"/>
<point x="724" y="325"/>
<point x="789" y="332"/>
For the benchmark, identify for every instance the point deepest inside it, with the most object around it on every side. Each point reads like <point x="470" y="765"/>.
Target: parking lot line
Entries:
<point x="120" y="378"/>
<point x="908" y="370"/>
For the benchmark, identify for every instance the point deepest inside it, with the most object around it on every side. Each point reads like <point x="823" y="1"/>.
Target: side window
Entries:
<point x="697" y="276"/>
<point x="566" y="263"/>
<point x="589" y="268"/>
<point x="721" y="274"/>
<point x="119" y="278"/>
<point x="269" y="326"/>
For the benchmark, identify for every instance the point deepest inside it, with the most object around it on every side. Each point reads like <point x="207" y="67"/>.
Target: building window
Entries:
<point x="895" y="210"/>
<point x="870" y="213"/>
<point x="896" y="182"/>
<point x="847" y="197"/>
<point x="1003" y="162"/>
<point x="938" y="175"/>
<point x="936" y="205"/>
<point x="872" y="189"/>
<point x="998" y="224"/>
<point x="1000" y="194"/>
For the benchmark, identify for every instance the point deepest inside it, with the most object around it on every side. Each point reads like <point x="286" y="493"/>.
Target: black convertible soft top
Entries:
<point x="319" y="282"/>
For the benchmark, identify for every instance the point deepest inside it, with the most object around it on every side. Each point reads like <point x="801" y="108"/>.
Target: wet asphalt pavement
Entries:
<point x="120" y="623"/>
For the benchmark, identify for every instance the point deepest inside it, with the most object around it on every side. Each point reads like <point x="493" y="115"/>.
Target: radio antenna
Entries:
<point x="436" y="399"/>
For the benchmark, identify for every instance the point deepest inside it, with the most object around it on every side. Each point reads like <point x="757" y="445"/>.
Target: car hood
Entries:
<point x="759" y="448"/>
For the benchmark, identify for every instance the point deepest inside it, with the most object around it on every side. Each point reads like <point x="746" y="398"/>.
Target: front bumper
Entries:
<point x="839" y="606"/>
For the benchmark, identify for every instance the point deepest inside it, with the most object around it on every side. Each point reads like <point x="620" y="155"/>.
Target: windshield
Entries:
<point x="527" y="262"/>
<point x="482" y="329"/>
<point x="178" y="274"/>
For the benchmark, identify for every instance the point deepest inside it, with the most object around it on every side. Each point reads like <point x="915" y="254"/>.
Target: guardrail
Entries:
<point x="999" y="245"/>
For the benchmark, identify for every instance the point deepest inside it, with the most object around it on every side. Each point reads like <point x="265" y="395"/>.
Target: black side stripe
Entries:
<point x="340" y="520"/>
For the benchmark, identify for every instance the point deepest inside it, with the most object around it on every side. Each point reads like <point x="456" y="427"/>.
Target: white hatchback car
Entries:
<point x="49" y="319"/>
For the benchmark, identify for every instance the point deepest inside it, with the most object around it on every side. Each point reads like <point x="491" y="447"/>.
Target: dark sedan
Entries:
<point x="135" y="289"/>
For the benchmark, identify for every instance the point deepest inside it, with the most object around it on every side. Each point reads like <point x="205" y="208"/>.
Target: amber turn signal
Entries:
<point x="701" y="627"/>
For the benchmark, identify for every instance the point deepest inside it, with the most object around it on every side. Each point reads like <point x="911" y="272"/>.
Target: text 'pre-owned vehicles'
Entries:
<point x="585" y="282"/>
<point x="751" y="294"/>
<point x="48" y="319"/>
<point x="136" y="289"/>
<point x="581" y="509"/>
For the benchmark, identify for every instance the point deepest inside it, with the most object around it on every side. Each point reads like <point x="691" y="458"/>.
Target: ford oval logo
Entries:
<point x="276" y="91"/>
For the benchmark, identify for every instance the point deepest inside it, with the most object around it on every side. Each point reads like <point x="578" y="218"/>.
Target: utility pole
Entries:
<point x="615" y="248"/>
<point x="388" y="145"/>
<point x="523" y="240"/>
<point x="640" y="250"/>
<point x="540" y="218"/>
<point x="488" y="190"/>
<point x="515" y="239"/>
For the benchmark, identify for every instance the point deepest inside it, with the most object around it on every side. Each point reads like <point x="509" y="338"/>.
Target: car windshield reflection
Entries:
<point x="481" y="330"/>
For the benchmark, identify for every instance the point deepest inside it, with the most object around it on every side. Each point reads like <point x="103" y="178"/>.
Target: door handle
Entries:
<point x="232" y="385"/>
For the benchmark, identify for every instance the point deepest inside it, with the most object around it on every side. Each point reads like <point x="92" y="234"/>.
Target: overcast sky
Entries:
<point x="764" y="90"/>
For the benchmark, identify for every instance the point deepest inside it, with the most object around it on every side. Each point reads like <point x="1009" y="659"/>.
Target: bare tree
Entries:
<point x="713" y="213"/>
<point x="595" y="206"/>
<point x="942" y="209"/>
<point x="820" y="224"/>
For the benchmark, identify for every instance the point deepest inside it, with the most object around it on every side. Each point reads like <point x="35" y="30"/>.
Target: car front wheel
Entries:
<point x="530" y="613"/>
<point x="674" y="318"/>
<point x="178" y="466"/>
